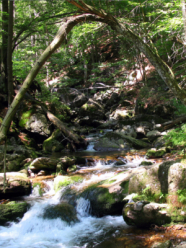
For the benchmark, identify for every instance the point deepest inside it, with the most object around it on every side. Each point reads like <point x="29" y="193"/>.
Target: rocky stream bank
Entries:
<point x="145" y="181"/>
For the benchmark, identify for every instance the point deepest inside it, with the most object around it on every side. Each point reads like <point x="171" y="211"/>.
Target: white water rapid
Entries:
<point x="33" y="231"/>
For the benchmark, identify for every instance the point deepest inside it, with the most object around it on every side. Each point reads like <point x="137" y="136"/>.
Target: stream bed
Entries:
<point x="35" y="231"/>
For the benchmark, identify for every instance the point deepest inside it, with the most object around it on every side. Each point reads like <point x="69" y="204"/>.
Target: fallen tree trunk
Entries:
<point x="75" y="140"/>
<point x="170" y="124"/>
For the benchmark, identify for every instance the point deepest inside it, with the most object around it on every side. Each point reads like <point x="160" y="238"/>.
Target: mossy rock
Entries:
<point x="102" y="201"/>
<point x="63" y="181"/>
<point x="145" y="163"/>
<point x="52" y="144"/>
<point x="25" y="117"/>
<point x="12" y="211"/>
<point x="156" y="153"/>
<point x="64" y="211"/>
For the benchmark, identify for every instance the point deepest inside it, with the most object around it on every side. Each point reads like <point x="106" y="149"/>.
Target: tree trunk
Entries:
<point x="59" y="38"/>
<point x="4" y="85"/>
<point x="9" y="53"/>
<point x="184" y="19"/>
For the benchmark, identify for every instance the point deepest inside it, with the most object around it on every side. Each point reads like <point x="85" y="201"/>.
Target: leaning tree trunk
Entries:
<point x="94" y="15"/>
<point x="59" y="38"/>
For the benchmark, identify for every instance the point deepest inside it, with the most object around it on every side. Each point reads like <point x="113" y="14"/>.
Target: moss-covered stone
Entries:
<point x="63" y="181"/>
<point x="145" y="163"/>
<point x="156" y="153"/>
<point x="52" y="144"/>
<point x="25" y="117"/>
<point x="12" y="211"/>
<point x="64" y="211"/>
<point x="103" y="202"/>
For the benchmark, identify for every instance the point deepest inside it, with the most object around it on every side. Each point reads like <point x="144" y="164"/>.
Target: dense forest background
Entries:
<point x="92" y="54"/>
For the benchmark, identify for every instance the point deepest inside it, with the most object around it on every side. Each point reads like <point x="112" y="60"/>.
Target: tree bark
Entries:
<point x="59" y="38"/>
<point x="4" y="85"/>
<point x="9" y="52"/>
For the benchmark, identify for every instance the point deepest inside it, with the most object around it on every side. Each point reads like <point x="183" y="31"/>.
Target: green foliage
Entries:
<point x="147" y="195"/>
<point x="182" y="195"/>
<point x="177" y="137"/>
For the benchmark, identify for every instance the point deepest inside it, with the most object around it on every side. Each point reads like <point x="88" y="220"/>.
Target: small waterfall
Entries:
<point x="34" y="231"/>
<point x="83" y="207"/>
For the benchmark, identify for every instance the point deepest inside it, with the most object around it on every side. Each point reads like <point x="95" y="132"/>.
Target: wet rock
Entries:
<point x="102" y="201"/>
<point x="17" y="184"/>
<point x="65" y="162"/>
<point x="43" y="163"/>
<point x="63" y="181"/>
<point x="146" y="163"/>
<point x="64" y="211"/>
<point x="12" y="211"/>
<point x="144" y="214"/>
<point x="117" y="141"/>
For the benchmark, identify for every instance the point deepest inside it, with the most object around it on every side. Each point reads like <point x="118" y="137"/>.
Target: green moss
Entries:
<point x="125" y="187"/>
<point x="12" y="211"/>
<point x="65" y="181"/>
<point x="25" y="117"/>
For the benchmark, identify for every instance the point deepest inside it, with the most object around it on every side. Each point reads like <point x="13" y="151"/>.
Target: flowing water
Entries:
<point x="34" y="231"/>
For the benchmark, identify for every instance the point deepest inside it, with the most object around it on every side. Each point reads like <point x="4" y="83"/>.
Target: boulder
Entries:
<point x="152" y="135"/>
<point x="143" y="214"/>
<point x="43" y="163"/>
<point x="117" y="141"/>
<point x="17" y="184"/>
<point x="63" y="181"/>
<point x="127" y="130"/>
<point x="93" y="110"/>
<point x="64" y="162"/>
<point x="156" y="153"/>
<point x="35" y="122"/>
<point x="166" y="244"/>
<point x="63" y="210"/>
<point x="103" y="201"/>
<point x="52" y="144"/>
<point x="78" y="101"/>
<point x="14" y="158"/>
<point x="12" y="211"/>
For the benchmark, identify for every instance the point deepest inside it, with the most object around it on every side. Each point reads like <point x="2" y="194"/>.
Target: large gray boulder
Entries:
<point x="17" y="184"/>
<point x="35" y="121"/>
<point x="118" y="141"/>
<point x="144" y="214"/>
